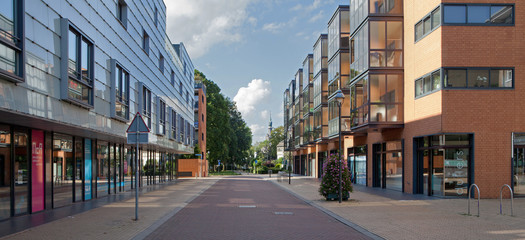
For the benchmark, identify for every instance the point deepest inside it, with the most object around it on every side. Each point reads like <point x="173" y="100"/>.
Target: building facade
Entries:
<point x="72" y="77"/>
<point x="427" y="88"/>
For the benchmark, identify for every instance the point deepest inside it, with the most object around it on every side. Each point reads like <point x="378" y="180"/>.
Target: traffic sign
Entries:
<point x="138" y="125"/>
<point x="255" y="161"/>
<point x="141" y="138"/>
<point x="219" y="162"/>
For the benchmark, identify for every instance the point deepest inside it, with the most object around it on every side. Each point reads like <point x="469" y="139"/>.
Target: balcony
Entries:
<point x="333" y="125"/>
<point x="376" y="114"/>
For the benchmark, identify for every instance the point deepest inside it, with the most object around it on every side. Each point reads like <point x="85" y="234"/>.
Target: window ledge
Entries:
<point x="121" y="119"/>
<point x="11" y="77"/>
<point x="78" y="103"/>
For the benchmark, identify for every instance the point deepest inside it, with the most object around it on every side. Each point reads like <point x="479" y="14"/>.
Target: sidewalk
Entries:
<point x="394" y="215"/>
<point x="115" y="220"/>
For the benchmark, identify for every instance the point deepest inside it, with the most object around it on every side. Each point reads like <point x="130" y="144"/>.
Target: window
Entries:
<point x="187" y="97"/>
<point x="478" y="14"/>
<point x="77" y="84"/>
<point x="146" y="106"/>
<point x="428" y="83"/>
<point x="122" y="12"/>
<point x="161" y="116"/>
<point x="11" y="41"/>
<point x="386" y="44"/>
<point x="202" y="115"/>
<point x="156" y="17"/>
<point x="478" y="77"/>
<point x="428" y="23"/>
<point x="173" y="134"/>
<point x="161" y="63"/>
<point x="120" y="95"/>
<point x="180" y="87"/>
<point x="181" y="129"/>
<point x="172" y="78"/>
<point x="145" y="42"/>
<point x="386" y="6"/>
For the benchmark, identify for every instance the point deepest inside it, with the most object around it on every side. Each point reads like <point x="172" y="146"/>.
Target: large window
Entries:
<point x="359" y="52"/>
<point x="173" y="134"/>
<point x="161" y="63"/>
<point x="161" y="115"/>
<point x="78" y="85"/>
<point x="478" y="14"/>
<point x="386" y="44"/>
<point x="145" y="42"/>
<point x="122" y="12"/>
<point x="428" y="83"/>
<point x="146" y="106"/>
<point x="386" y="6"/>
<point x="377" y="98"/>
<point x="443" y="165"/>
<point x="11" y="40"/>
<point x="428" y="23"/>
<point x="120" y="97"/>
<point x="478" y="77"/>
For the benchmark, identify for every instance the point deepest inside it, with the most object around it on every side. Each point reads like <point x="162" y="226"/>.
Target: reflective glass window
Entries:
<point x="455" y="78"/>
<point x="454" y="14"/>
<point x="5" y="171"/>
<point x="501" y="14"/>
<point x="80" y="67"/>
<point x="436" y="18"/>
<point x="11" y="33"/>
<point x="478" y="78"/>
<point x="386" y="6"/>
<point x="478" y="14"/>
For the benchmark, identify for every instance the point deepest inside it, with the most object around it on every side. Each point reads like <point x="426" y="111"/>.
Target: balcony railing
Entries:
<point x="377" y="113"/>
<point x="333" y="125"/>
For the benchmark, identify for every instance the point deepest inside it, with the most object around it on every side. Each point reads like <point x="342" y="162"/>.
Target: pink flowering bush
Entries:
<point x="330" y="177"/>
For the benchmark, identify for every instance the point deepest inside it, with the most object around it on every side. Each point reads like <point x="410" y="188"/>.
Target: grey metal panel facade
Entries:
<point x="40" y="95"/>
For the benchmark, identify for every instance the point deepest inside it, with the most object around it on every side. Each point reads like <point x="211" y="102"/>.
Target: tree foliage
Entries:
<point x="227" y="136"/>
<point x="260" y="149"/>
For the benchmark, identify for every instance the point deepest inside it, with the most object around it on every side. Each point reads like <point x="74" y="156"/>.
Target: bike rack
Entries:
<point x="469" y="191"/>
<point x="511" y="199"/>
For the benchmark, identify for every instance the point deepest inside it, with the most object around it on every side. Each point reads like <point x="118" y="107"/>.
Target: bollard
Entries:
<point x="469" y="193"/>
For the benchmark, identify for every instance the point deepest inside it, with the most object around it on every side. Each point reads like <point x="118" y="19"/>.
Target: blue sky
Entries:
<point x="250" y="48"/>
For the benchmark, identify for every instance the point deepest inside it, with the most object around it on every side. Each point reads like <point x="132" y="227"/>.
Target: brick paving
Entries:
<point x="251" y="208"/>
<point x="115" y="220"/>
<point x="393" y="215"/>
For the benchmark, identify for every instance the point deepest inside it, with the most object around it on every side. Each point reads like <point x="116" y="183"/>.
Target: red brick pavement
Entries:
<point x="216" y="214"/>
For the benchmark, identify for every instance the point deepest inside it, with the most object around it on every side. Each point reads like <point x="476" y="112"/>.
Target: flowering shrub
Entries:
<point x="330" y="177"/>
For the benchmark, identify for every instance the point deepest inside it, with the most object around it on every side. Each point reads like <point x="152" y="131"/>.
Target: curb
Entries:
<point x="332" y="214"/>
<point x="144" y="234"/>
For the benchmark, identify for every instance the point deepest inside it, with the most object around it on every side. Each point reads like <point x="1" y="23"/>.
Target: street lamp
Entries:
<point x="340" y="97"/>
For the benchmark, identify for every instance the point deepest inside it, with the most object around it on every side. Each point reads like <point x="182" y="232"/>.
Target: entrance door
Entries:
<point x="377" y="166"/>
<point x="518" y="170"/>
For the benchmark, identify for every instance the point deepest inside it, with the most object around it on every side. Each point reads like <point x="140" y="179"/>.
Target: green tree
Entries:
<point x="227" y="136"/>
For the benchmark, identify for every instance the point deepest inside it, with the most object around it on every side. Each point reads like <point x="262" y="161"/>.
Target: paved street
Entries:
<point x="251" y="208"/>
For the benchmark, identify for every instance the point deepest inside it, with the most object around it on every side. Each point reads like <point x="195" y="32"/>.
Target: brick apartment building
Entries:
<point x="431" y="96"/>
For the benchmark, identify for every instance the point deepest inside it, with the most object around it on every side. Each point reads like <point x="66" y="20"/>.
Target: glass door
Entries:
<point x="21" y="201"/>
<point x="79" y="169"/>
<point x="5" y="172"/>
<point x="519" y="169"/>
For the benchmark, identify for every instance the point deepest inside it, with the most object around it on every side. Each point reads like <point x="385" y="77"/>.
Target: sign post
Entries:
<point x="137" y="133"/>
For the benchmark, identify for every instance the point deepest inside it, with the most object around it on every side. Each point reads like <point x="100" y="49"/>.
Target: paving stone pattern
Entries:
<point x="251" y="208"/>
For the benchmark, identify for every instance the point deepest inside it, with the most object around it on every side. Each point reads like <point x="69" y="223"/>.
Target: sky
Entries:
<point x="250" y="48"/>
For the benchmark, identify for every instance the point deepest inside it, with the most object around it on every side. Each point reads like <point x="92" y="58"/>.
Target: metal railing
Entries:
<point x="469" y="193"/>
<point x="511" y="199"/>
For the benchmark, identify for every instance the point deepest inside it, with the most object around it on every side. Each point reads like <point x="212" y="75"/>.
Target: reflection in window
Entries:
<point x="11" y="33"/>
<point x="146" y="106"/>
<point x="359" y="52"/>
<point x="162" y="117"/>
<point x="122" y="12"/>
<point x="386" y="6"/>
<point x="484" y="14"/>
<point x="479" y="78"/>
<point x="121" y="92"/>
<point x="428" y="23"/>
<point x="428" y="83"/>
<point x="80" y="68"/>
<point x="386" y="44"/>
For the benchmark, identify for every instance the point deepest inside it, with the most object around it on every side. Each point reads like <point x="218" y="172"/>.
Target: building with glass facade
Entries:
<point x="430" y="96"/>
<point x="72" y="77"/>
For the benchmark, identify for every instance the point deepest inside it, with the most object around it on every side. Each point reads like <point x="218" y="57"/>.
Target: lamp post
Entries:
<point x="340" y="97"/>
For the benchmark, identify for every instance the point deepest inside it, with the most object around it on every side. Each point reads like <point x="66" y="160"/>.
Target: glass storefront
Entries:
<point x="443" y="165"/>
<point x="387" y="169"/>
<point x="357" y="164"/>
<point x="79" y="167"/>
<point x="62" y="170"/>
<point x="5" y="172"/>
<point x="103" y="169"/>
<point x="518" y="164"/>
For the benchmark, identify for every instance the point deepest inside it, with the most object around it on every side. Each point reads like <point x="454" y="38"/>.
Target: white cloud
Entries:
<point x="273" y="27"/>
<point x="252" y="21"/>
<point x="201" y="24"/>
<point x="265" y="114"/>
<point x="317" y="17"/>
<point x="258" y="132"/>
<point x="248" y="97"/>
<point x="315" y="5"/>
